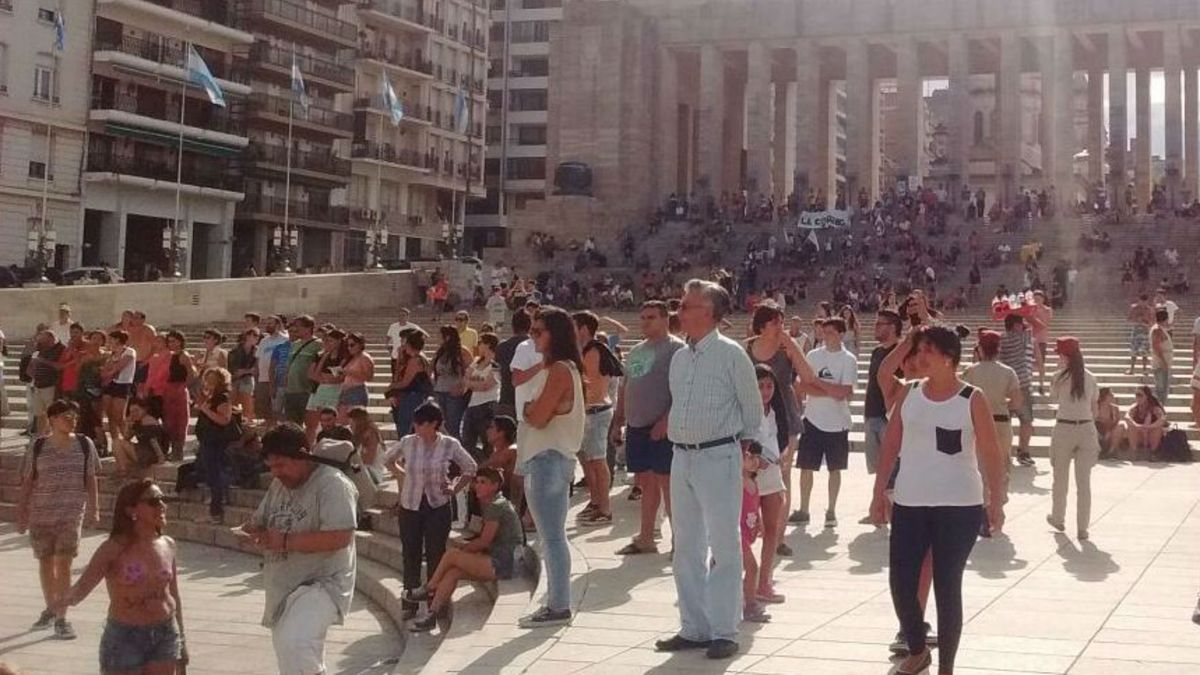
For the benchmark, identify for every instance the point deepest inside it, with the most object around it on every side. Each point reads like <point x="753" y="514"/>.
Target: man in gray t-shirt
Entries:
<point x="305" y="528"/>
<point x="643" y="403"/>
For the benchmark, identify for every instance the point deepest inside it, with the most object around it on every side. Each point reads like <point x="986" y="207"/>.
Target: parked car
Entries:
<point x="82" y="276"/>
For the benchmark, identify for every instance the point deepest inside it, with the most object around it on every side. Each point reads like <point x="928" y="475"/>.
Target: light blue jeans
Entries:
<point x="706" y="501"/>
<point x="873" y="427"/>
<point x="548" y="477"/>
<point x="1162" y="384"/>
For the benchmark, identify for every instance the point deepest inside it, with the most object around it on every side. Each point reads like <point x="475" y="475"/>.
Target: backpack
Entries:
<point x="610" y="365"/>
<point x="40" y="444"/>
<point x="1174" y="448"/>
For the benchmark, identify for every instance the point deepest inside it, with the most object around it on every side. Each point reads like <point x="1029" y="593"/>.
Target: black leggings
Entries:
<point x="422" y="531"/>
<point x="950" y="531"/>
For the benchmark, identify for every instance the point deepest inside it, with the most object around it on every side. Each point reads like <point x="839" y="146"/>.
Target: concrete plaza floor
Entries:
<point x="222" y="605"/>
<point x="1035" y="601"/>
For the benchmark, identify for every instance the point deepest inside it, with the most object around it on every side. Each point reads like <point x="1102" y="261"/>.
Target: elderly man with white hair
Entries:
<point x="715" y="411"/>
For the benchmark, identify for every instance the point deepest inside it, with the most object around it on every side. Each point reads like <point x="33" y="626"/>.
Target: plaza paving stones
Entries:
<point x="222" y="604"/>
<point x="1035" y="601"/>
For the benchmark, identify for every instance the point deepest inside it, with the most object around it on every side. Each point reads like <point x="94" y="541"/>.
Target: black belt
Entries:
<point x="707" y="444"/>
<point x="1001" y="418"/>
<point x="1075" y="421"/>
<point x="596" y="409"/>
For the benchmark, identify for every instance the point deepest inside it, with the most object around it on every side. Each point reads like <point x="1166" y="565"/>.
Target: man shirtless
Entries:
<point x="593" y="454"/>
<point x="1141" y="316"/>
<point x="141" y="339"/>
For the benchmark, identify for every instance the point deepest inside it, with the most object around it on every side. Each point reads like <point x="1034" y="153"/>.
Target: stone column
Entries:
<point x="1173" y="130"/>
<point x="808" y="135"/>
<point x="1141" y="166"/>
<point x="959" y="121"/>
<point x="1008" y="103"/>
<point x="908" y="89"/>
<point x="1064" y="119"/>
<point x="860" y="128"/>
<point x="1095" y="132"/>
<point x="1191" y="133"/>
<point x="758" y="119"/>
<point x="1118" y="136"/>
<point x="711" y="144"/>
<point x="667" y="138"/>
<point x="781" y="143"/>
<point x="1052" y="106"/>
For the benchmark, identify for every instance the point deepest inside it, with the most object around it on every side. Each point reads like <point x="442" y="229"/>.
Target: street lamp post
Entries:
<point x="377" y="245"/>
<point x="41" y="241"/>
<point x="284" y="242"/>
<point x="452" y="235"/>
<point x="175" y="246"/>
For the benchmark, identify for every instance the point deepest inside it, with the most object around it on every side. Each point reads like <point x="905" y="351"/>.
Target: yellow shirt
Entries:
<point x="469" y="337"/>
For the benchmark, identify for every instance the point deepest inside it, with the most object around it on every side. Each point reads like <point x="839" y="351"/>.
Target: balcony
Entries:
<point x="406" y="63"/>
<point x="402" y="15"/>
<point x="298" y="19"/>
<point x="316" y="118"/>
<point x="337" y="74"/>
<point x="327" y="164"/>
<point x="212" y="18"/>
<point x="160" y="164"/>
<point x="272" y="208"/>
<point x="387" y="153"/>
<point x="416" y="114"/>
<point x="155" y="49"/>
<point x="155" y="108"/>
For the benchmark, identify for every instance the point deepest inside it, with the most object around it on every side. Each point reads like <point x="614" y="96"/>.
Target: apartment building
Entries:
<point x="515" y="170"/>
<point x="411" y="178"/>
<point x="43" y="110"/>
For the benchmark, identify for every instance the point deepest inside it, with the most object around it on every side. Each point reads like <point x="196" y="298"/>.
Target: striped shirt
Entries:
<point x="60" y="491"/>
<point x="1016" y="352"/>
<point x="426" y="469"/>
<point x="714" y="393"/>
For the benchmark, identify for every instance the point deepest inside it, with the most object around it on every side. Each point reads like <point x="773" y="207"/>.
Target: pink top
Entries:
<point x="159" y="367"/>
<point x="1044" y="314"/>
<point x="751" y="524"/>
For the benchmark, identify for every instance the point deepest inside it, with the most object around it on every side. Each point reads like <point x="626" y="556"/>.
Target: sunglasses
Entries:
<point x="156" y="500"/>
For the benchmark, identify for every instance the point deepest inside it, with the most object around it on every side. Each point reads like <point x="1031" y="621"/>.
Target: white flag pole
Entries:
<point x="286" y="241"/>
<point x="187" y="48"/>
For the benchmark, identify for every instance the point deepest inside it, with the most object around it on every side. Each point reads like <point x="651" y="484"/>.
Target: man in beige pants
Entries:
<point x="1000" y="385"/>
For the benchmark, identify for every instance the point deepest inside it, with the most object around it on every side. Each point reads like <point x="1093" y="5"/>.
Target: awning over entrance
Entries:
<point x="171" y="141"/>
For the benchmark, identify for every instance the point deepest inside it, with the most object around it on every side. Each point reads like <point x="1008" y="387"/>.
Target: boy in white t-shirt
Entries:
<point x="826" y="418"/>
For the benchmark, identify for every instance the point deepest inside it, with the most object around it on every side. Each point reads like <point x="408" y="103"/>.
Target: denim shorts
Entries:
<point x="595" y="435"/>
<point x="354" y="395"/>
<point x="129" y="648"/>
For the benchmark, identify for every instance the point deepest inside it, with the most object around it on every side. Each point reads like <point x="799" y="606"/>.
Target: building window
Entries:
<point x="531" y="135"/>
<point x="530" y="31"/>
<point x="43" y="83"/>
<point x="3" y="66"/>
<point x="45" y="15"/>
<point x="525" y="168"/>
<point x="532" y="67"/>
<point x="978" y="127"/>
<point x="528" y="99"/>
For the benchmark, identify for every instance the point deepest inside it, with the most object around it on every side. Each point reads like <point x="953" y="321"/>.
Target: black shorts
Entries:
<point x="643" y="453"/>
<point x="141" y="372"/>
<point x="815" y="444"/>
<point x="118" y="390"/>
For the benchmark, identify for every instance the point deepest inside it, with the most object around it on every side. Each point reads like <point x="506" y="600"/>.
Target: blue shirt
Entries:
<point x="714" y="393"/>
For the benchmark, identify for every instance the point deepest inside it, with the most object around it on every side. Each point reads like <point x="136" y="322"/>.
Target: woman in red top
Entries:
<point x="174" y="390"/>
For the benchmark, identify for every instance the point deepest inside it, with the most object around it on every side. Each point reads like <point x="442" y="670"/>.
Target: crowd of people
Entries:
<point x="493" y="430"/>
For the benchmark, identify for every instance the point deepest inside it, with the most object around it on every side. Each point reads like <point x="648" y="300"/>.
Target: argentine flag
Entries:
<point x="60" y="31"/>
<point x="298" y="89"/>
<point x="199" y="74"/>
<point x="394" y="106"/>
<point x="460" y="111"/>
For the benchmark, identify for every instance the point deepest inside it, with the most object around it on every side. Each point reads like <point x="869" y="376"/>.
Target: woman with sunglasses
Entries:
<point x="144" y="630"/>
<point x="546" y="454"/>
<point x="327" y="371"/>
<point x="411" y="383"/>
<point x="1143" y="426"/>
<point x="358" y="371"/>
<point x="450" y="363"/>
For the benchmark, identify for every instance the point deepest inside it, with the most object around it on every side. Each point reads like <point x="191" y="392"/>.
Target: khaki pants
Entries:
<point x="1078" y="443"/>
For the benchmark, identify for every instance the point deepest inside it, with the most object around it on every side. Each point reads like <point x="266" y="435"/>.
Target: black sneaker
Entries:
<point x="1024" y="459"/>
<point x="63" y="630"/>
<point x="678" y="643"/>
<point x="783" y="550"/>
<point x="421" y="594"/>
<point x="798" y="517"/>
<point x="721" y="649"/>
<point x="45" y="620"/>
<point x="635" y="494"/>
<point x="546" y="617"/>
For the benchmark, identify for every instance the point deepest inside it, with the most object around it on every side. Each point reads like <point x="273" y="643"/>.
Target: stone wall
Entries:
<point x="213" y="300"/>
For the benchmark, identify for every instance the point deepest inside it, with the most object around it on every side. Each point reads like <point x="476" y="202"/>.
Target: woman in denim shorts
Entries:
<point x="144" y="630"/>
<point x="489" y="556"/>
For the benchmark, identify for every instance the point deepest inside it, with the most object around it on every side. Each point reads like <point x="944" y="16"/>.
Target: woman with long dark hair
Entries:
<point x="850" y="340"/>
<point x="450" y="364"/>
<point x="774" y="436"/>
<point x="1074" y="438"/>
<point x="326" y="371"/>
<point x="945" y="434"/>
<point x="411" y="383"/>
<point x="1143" y="426"/>
<point x="144" y="630"/>
<point x="357" y="372"/>
<point x="174" y="392"/>
<point x="214" y="415"/>
<point x="546" y="454"/>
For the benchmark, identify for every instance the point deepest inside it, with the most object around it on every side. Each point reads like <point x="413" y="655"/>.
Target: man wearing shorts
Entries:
<point x="643" y="402"/>
<point x="141" y="338"/>
<point x="593" y="454"/>
<point x="826" y="433"/>
<point x="298" y="386"/>
<point x="1016" y="352"/>
<point x="45" y="372"/>
<point x="264" y="386"/>
<point x="305" y="529"/>
<point x="58" y="489"/>
<point x="1042" y="313"/>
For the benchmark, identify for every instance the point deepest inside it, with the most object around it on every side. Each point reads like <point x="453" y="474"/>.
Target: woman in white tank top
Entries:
<point x="945" y="434"/>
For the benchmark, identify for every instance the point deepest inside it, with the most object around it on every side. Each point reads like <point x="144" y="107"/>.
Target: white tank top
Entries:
<point x="937" y="454"/>
<point x="127" y="373"/>
<point x="564" y="433"/>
